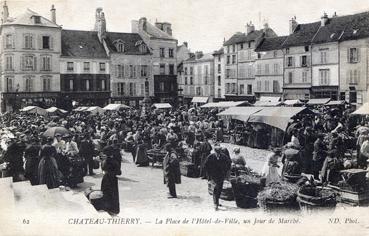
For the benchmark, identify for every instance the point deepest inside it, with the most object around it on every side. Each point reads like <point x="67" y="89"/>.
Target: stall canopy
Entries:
<point x="162" y="105"/>
<point x="363" y="110"/>
<point x="81" y="109"/>
<point x="278" y="117"/>
<point x="269" y="99"/>
<point x="200" y="99"/>
<point x="240" y="113"/>
<point x="267" y="103"/>
<point x="115" y="107"/>
<point x="336" y="103"/>
<point x="292" y="102"/>
<point x="95" y="110"/>
<point x="34" y="110"/>
<point x="318" y="101"/>
<point x="224" y="104"/>
<point x="55" y="110"/>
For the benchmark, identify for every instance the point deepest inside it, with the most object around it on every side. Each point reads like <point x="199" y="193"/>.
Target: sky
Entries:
<point x="204" y="24"/>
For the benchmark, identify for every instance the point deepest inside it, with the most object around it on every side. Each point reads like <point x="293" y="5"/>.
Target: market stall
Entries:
<point x="34" y="110"/>
<point x="225" y="104"/>
<point x="162" y="106"/>
<point x="199" y="100"/>
<point x="267" y="103"/>
<point x="95" y="110"/>
<point x="293" y="102"/>
<point x="363" y="110"/>
<point x="55" y="111"/>
<point x="115" y="107"/>
<point x="318" y="101"/>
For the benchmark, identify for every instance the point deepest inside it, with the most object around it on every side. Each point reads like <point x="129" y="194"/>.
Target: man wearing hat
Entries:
<point x="87" y="150"/>
<point x="172" y="174"/>
<point x="217" y="166"/>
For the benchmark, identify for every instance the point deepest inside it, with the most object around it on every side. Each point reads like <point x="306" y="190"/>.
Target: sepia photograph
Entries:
<point x="184" y="117"/>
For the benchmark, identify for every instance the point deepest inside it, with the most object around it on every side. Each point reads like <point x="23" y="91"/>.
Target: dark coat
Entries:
<point x="217" y="166"/>
<point x="48" y="172"/>
<point x="31" y="154"/>
<point x="14" y="156"/>
<point x="171" y="168"/>
<point x="109" y="187"/>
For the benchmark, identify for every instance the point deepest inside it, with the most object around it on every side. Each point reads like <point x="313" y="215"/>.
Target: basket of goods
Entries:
<point x="95" y="197"/>
<point x="245" y="189"/>
<point x="76" y="171"/>
<point x="312" y="197"/>
<point x="156" y="155"/>
<point x="188" y="169"/>
<point x="227" y="192"/>
<point x="278" y="196"/>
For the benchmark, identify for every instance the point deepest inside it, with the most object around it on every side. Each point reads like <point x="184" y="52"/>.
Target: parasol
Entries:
<point x="51" y="132"/>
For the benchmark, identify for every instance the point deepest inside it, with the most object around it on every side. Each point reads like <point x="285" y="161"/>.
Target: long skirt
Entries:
<point x="48" y="172"/>
<point x="141" y="155"/>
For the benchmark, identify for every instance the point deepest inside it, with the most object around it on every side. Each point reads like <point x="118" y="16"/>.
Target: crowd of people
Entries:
<point x="314" y="144"/>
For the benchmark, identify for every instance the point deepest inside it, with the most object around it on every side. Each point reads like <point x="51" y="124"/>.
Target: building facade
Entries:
<point x="198" y="77"/>
<point x="30" y="53"/>
<point x="219" y="75"/>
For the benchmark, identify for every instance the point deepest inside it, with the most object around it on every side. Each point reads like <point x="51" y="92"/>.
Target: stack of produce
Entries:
<point x="283" y="194"/>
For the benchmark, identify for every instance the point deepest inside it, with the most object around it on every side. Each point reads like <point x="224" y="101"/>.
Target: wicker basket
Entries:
<point x="316" y="197"/>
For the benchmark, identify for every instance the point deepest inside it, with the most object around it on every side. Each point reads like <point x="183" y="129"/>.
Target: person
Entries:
<point x="307" y="151"/>
<point x="217" y="166"/>
<point x="109" y="186"/>
<point x="87" y="150"/>
<point x="172" y="174"/>
<point x="319" y="155"/>
<point x="141" y="154"/>
<point x="14" y="157"/>
<point x="271" y="167"/>
<point x="364" y="153"/>
<point x="31" y="154"/>
<point x="204" y="150"/>
<point x="238" y="161"/>
<point x="71" y="147"/>
<point x="48" y="169"/>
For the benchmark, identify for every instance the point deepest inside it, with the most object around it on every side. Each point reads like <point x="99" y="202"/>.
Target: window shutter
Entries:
<point x="358" y="54"/>
<point x="293" y="61"/>
<point x="23" y="61"/>
<point x="358" y="76"/>
<point x="51" y="43"/>
<point x="116" y="70"/>
<point x="39" y="40"/>
<point x="4" y="41"/>
<point x="13" y="38"/>
<point x="308" y="60"/>
<point x="34" y="63"/>
<point x="32" y="41"/>
<point x="348" y="54"/>
<point x="126" y="70"/>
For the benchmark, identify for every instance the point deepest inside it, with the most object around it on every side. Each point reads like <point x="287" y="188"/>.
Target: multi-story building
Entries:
<point x="269" y="67"/>
<point x="198" y="77"/>
<point x="84" y="68"/>
<point x="240" y="56"/>
<point x="29" y="52"/>
<point x="164" y="59"/>
<point x="183" y="53"/>
<point x="219" y="75"/>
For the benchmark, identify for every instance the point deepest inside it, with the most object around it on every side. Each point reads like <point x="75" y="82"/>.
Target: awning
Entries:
<point x="267" y="103"/>
<point x="95" y="110"/>
<point x="55" y="110"/>
<point x="318" y="101"/>
<point x="336" y="103"/>
<point x="224" y="104"/>
<point x="115" y="107"/>
<point x="81" y="109"/>
<point x="200" y="99"/>
<point x="240" y="113"/>
<point x="278" y="117"/>
<point x="162" y="105"/>
<point x="363" y="110"/>
<point x="34" y="110"/>
<point x="269" y="99"/>
<point x="292" y="102"/>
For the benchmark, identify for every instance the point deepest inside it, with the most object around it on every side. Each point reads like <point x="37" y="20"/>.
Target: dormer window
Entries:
<point x="143" y="48"/>
<point x="37" y="19"/>
<point x="119" y="45"/>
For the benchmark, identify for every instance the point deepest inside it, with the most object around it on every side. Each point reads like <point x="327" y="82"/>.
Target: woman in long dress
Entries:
<point x="271" y="166"/>
<point x="48" y="172"/>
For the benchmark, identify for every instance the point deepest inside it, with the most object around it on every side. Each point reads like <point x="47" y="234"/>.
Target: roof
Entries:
<point x="162" y="105"/>
<point x="363" y="110"/>
<point x="76" y="43"/>
<point x="336" y="103"/>
<point x="219" y="52"/>
<point x="268" y="44"/>
<point x="267" y="103"/>
<point x="131" y="42"/>
<point x="342" y="28"/>
<point x="155" y="32"/>
<point x="302" y="35"/>
<point x="205" y="57"/>
<point x="318" y="101"/>
<point x="269" y="99"/>
<point x="292" y="102"/>
<point x="252" y="36"/>
<point x="115" y="107"/>
<point x="240" y="113"/>
<point x="200" y="99"/>
<point x="26" y="19"/>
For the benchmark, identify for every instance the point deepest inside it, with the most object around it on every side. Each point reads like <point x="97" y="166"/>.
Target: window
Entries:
<point x="290" y="77"/>
<point x="198" y="91"/>
<point x="132" y="89"/>
<point x="249" y="89"/>
<point x="303" y="61"/>
<point x="228" y="49"/>
<point x="9" y="84"/>
<point x="259" y="55"/>
<point x="185" y="82"/>
<point x="142" y="90"/>
<point x="9" y="41"/>
<point x="275" y="86"/>
<point x="275" y="54"/>
<point x="119" y="46"/>
<point x="289" y="61"/>
<point x="28" y="84"/>
<point x="161" y="87"/>
<point x="258" y="69"/>
<point x="242" y="88"/>
<point x="324" y="77"/>
<point x="354" y="76"/>
<point x="162" y="69"/>
<point x="45" y="42"/>
<point x="249" y="44"/>
<point x="119" y="71"/>
<point x="86" y="85"/>
<point x="29" y="63"/>
<point x="276" y="68"/>
<point x="258" y="86"/>
<point x="46" y="84"/>
<point x="28" y="41"/>
<point x="191" y="81"/>
<point x="46" y="63"/>
<point x="71" y="85"/>
<point x="219" y="93"/>
<point x="353" y="55"/>
<point x="219" y="58"/>
<point x="102" y="66"/>
<point x="241" y="46"/>
<point x="233" y="59"/>
<point x="185" y="71"/>
<point x="287" y="51"/>
<point x="144" y="70"/>
<point x="233" y="48"/>
<point x="306" y="48"/>
<point x="191" y="70"/>
<point x="228" y="73"/>
<point x="37" y="19"/>
<point x="103" y="85"/>
<point x="267" y="69"/>
<point x="219" y="80"/>
<point x="86" y="66"/>
<point x="233" y="87"/>
<point x="162" y="52"/>
<point x="266" y="85"/>
<point x="171" y="69"/>
<point x="228" y="88"/>
<point x="323" y="57"/>
<point x="171" y="52"/>
<point x="228" y="60"/>
<point x="131" y="71"/>
<point x="70" y="66"/>
<point x="219" y="68"/>
<point x="121" y="88"/>
<point x="143" y="48"/>
<point x="304" y="76"/>
<point x="9" y="63"/>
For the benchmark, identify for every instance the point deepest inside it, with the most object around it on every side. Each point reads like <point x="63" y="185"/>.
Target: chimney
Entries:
<point x="5" y="12"/>
<point x="97" y="18"/>
<point x="266" y="27"/>
<point x="53" y="14"/>
<point x="101" y="26"/>
<point x="186" y="44"/>
<point x="334" y="15"/>
<point x="142" y="23"/>
<point x="198" y="54"/>
<point x="168" y="28"/>
<point x="250" y="27"/>
<point x="324" y="19"/>
<point x="293" y="24"/>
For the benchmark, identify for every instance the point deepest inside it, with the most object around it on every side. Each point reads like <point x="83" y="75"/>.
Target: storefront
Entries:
<point x="12" y="101"/>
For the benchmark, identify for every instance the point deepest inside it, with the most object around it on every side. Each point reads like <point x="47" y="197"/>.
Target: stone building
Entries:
<point x="219" y="75"/>
<point x="29" y="52"/>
